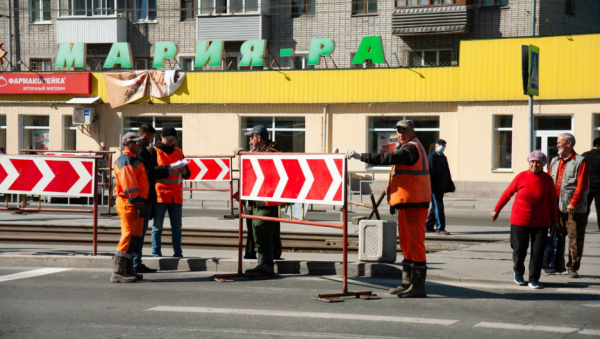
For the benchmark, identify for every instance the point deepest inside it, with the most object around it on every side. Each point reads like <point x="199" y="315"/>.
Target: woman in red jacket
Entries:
<point x="535" y="209"/>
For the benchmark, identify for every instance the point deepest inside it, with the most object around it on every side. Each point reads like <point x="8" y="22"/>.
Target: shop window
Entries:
<point x="187" y="10"/>
<point x="40" y="65"/>
<point x="596" y="126"/>
<point x="414" y="3"/>
<point x="288" y="133"/>
<point x="39" y="11"/>
<point x="553" y="123"/>
<point x="502" y="152"/>
<point x="430" y="58"/>
<point x="87" y="7"/>
<point x="210" y="7"/>
<point x="382" y="132"/>
<point x="70" y="134"/>
<point x="132" y="124"/>
<point x="364" y="7"/>
<point x="494" y="2"/>
<point x="145" y="10"/>
<point x="303" y="7"/>
<point x="36" y="132"/>
<point x="3" y="132"/>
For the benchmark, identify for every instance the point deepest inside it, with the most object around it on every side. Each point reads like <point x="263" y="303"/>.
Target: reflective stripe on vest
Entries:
<point x="169" y="190"/>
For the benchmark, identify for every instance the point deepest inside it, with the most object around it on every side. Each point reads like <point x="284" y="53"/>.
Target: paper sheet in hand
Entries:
<point x="179" y="163"/>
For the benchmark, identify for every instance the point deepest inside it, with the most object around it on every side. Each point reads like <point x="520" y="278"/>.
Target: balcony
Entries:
<point x="233" y="27"/>
<point x="432" y="20"/>
<point x="91" y="29"/>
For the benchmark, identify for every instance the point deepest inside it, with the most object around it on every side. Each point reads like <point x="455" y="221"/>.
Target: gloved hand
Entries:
<point x="352" y="154"/>
<point x="141" y="209"/>
<point x="237" y="151"/>
<point x="392" y="210"/>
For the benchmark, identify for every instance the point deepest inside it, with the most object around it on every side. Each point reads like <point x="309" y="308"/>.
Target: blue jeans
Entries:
<point x="137" y="260"/>
<point x="175" y="215"/>
<point x="436" y="213"/>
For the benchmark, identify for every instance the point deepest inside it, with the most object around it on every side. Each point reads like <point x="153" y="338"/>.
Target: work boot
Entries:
<point x="120" y="271"/>
<point x="417" y="289"/>
<point x="131" y="270"/>
<point x="406" y="281"/>
<point x="265" y="264"/>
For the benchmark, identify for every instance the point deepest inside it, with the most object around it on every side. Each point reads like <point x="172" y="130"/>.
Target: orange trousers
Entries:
<point x="131" y="225"/>
<point x="411" y="233"/>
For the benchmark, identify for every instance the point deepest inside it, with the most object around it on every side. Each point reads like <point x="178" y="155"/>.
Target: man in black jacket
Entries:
<point x="593" y="159"/>
<point x="148" y="133"/>
<point x="441" y="182"/>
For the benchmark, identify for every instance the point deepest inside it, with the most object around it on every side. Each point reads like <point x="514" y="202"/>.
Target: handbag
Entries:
<point x="554" y="253"/>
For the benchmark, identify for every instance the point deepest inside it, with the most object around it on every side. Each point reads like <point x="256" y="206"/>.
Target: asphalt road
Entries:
<point x="81" y="303"/>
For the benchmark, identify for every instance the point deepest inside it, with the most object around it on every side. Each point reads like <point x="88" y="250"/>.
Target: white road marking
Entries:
<point x="592" y="305"/>
<point x="515" y="287"/>
<point x="590" y="332"/>
<point x="316" y="315"/>
<point x="31" y="274"/>
<point x="528" y="327"/>
<point x="287" y="334"/>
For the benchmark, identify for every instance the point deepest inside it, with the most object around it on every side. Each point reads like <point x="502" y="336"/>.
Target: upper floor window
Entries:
<point x="187" y="10"/>
<point x="87" y="7"/>
<point x="145" y="10"/>
<point x="429" y="58"/>
<point x="494" y="2"/>
<point x="43" y="65"/>
<point x="364" y="7"/>
<point x="303" y="7"/>
<point x="39" y="11"/>
<point x="412" y="3"/>
<point x="228" y="7"/>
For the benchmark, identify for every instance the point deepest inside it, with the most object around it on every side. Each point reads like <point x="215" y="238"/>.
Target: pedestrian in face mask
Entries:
<point x="441" y="182"/>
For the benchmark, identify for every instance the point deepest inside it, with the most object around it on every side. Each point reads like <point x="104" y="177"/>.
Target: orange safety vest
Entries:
<point x="131" y="178"/>
<point x="169" y="190"/>
<point x="410" y="184"/>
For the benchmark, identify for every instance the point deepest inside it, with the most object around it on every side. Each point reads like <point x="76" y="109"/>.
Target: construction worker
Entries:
<point x="131" y="191"/>
<point x="409" y="193"/>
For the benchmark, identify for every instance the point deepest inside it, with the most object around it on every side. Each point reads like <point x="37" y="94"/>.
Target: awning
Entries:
<point x="84" y="100"/>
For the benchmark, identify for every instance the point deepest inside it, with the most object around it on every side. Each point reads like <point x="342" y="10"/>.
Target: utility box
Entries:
<point x="84" y="116"/>
<point x="377" y="241"/>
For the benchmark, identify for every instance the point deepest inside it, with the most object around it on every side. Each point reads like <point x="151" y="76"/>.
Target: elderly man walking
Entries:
<point x="569" y="171"/>
<point x="409" y="193"/>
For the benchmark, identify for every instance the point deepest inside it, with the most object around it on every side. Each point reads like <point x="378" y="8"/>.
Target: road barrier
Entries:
<point x="211" y="168"/>
<point x="296" y="178"/>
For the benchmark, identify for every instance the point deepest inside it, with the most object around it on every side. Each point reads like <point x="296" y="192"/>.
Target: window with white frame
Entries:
<point x="494" y="3"/>
<point x="288" y="133"/>
<point x="412" y="3"/>
<point x="40" y="64"/>
<point x="596" y="126"/>
<point x="3" y="131"/>
<point x="36" y="132"/>
<point x="382" y="132"/>
<point x="186" y="63"/>
<point x="502" y="149"/>
<point x="132" y="124"/>
<point x="145" y="10"/>
<point x="69" y="134"/>
<point x="187" y="10"/>
<point x="364" y="7"/>
<point x="303" y="7"/>
<point x="430" y="58"/>
<point x="301" y="62"/>
<point x="141" y="63"/>
<point x="210" y="7"/>
<point x="39" y="11"/>
<point x="88" y="7"/>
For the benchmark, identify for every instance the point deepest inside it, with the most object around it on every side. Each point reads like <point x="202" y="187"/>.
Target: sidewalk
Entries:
<point x="486" y="262"/>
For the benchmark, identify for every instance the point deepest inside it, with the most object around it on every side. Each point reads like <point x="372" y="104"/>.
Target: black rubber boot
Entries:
<point x="406" y="279"/>
<point x="131" y="270"/>
<point x="417" y="289"/>
<point x="265" y="264"/>
<point x="120" y="271"/>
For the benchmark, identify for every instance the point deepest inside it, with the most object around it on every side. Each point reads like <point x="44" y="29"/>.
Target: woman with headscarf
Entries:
<point x="535" y="209"/>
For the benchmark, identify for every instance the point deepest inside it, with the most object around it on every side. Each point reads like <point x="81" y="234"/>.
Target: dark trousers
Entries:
<point x="250" y="252"/>
<point x="594" y="195"/>
<point x="573" y="225"/>
<point x="263" y="230"/>
<point x="436" y="213"/>
<point x="519" y="242"/>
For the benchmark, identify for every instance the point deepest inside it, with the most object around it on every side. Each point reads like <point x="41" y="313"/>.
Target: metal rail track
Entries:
<point x="221" y="239"/>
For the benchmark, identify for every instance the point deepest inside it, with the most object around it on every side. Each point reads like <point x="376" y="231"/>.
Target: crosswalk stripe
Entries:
<point x="31" y="274"/>
<point x="590" y="332"/>
<point x="527" y="327"/>
<point x="277" y="313"/>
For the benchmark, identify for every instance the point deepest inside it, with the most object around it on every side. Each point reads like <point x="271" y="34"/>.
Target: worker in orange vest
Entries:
<point x="408" y="193"/>
<point x="131" y="190"/>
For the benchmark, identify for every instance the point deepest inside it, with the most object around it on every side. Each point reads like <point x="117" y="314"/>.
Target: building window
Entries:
<point x="3" y="132"/>
<point x="364" y="7"/>
<point x="209" y="7"/>
<point x="186" y="64"/>
<point x="303" y="7"/>
<point x="145" y="10"/>
<point x="301" y="62"/>
<point x="502" y="152"/>
<point x="39" y="11"/>
<point x="430" y="58"/>
<point x="232" y="63"/>
<point x="596" y="126"/>
<point x="187" y="10"/>
<point x="570" y="7"/>
<point x="414" y="3"/>
<point x="70" y="134"/>
<point x="36" y="132"/>
<point x="494" y="2"/>
<point x="382" y="132"/>
<point x="288" y="133"/>
<point x="141" y="63"/>
<point x="87" y="7"/>
<point x="42" y="65"/>
<point x="547" y="129"/>
<point x="132" y="124"/>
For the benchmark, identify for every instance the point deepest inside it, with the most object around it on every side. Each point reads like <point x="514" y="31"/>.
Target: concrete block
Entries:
<point x="377" y="241"/>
